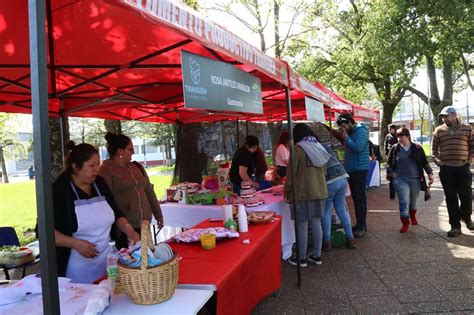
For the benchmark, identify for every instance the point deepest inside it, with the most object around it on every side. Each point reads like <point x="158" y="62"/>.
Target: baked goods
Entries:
<point x="247" y="190"/>
<point x="193" y="235"/>
<point x="250" y="202"/>
<point x="278" y="190"/>
<point x="261" y="216"/>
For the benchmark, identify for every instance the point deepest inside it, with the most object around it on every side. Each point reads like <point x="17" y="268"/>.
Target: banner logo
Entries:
<point x="195" y="71"/>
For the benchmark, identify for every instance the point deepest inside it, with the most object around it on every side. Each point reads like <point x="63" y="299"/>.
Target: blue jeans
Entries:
<point x="407" y="190"/>
<point x="337" y="198"/>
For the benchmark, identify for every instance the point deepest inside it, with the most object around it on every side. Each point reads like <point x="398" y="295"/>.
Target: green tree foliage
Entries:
<point x="358" y="48"/>
<point x="444" y="34"/>
<point x="88" y="130"/>
<point x="9" y="145"/>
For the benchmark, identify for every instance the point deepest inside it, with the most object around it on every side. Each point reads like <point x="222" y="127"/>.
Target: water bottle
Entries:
<point x="112" y="263"/>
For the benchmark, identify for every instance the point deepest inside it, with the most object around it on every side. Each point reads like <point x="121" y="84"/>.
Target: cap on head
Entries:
<point x="447" y="110"/>
<point x="345" y="119"/>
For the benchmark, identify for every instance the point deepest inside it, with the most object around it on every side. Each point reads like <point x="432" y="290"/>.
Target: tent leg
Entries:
<point x="44" y="196"/>
<point x="61" y="130"/>
<point x="293" y="180"/>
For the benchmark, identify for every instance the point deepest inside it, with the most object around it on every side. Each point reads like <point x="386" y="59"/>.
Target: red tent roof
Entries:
<point x="121" y="60"/>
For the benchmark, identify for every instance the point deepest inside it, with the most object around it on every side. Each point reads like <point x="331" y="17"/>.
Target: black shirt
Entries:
<point x="65" y="219"/>
<point x="242" y="157"/>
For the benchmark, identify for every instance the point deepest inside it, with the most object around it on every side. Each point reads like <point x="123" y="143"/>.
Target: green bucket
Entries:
<point x="338" y="238"/>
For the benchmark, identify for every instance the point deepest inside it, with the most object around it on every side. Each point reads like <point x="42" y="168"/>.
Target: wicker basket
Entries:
<point x="153" y="285"/>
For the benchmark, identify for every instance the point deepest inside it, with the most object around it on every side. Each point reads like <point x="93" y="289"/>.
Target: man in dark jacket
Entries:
<point x="390" y="138"/>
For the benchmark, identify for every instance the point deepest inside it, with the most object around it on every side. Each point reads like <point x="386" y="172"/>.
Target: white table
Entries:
<point x="186" y="216"/>
<point x="74" y="301"/>
<point x="184" y="301"/>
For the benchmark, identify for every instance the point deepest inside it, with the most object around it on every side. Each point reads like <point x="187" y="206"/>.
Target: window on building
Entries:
<point x="149" y="149"/>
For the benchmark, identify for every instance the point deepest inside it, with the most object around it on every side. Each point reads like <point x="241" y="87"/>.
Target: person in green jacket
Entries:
<point x="311" y="192"/>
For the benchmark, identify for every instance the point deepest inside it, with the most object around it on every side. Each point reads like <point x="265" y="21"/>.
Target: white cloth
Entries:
<point x="26" y="287"/>
<point x="281" y="154"/>
<point x="74" y="297"/>
<point x="179" y="215"/>
<point x="94" y="220"/>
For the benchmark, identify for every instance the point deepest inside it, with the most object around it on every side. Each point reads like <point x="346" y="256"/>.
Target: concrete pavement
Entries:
<point x="421" y="271"/>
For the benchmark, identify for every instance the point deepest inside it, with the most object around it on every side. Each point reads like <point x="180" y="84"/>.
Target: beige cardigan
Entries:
<point x="310" y="181"/>
<point x="132" y="191"/>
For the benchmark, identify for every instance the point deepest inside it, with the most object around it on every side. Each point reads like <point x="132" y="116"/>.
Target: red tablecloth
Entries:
<point x="243" y="273"/>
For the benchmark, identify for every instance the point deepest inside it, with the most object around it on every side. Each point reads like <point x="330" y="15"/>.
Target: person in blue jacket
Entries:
<point x="355" y="138"/>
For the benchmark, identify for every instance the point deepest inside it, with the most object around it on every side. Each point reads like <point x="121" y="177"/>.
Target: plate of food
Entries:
<point x="15" y="255"/>
<point x="261" y="216"/>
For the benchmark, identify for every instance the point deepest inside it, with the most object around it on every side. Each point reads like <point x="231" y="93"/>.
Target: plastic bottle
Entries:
<point x="112" y="264"/>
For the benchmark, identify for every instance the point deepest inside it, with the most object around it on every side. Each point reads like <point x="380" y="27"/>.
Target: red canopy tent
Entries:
<point x="109" y="59"/>
<point x="121" y="59"/>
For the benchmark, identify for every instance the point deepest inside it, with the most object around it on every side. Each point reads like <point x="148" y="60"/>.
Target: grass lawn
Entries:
<point x="162" y="168"/>
<point x="18" y="208"/>
<point x="18" y="205"/>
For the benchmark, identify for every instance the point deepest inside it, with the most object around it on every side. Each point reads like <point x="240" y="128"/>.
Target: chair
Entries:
<point x="8" y="237"/>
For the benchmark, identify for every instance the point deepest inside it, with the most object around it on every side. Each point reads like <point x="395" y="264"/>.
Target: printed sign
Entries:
<point x="214" y="85"/>
<point x="314" y="110"/>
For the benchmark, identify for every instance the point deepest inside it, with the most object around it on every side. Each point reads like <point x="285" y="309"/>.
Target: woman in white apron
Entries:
<point x="85" y="213"/>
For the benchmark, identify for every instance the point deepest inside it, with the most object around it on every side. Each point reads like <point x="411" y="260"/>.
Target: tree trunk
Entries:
<point x="190" y="162"/>
<point x="4" y="167"/>
<point x="388" y="109"/>
<point x="223" y="138"/>
<point x="275" y="130"/>
<point x="276" y="14"/>
<point x="57" y="164"/>
<point x="434" y="100"/>
<point x="113" y="126"/>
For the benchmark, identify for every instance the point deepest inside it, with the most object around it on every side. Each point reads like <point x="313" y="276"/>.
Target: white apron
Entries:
<point x="94" y="220"/>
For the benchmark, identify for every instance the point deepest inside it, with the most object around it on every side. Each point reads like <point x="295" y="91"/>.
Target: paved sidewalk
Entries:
<point x="421" y="271"/>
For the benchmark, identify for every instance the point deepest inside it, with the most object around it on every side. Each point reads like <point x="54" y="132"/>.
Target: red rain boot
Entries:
<point x="406" y="224"/>
<point x="414" y="221"/>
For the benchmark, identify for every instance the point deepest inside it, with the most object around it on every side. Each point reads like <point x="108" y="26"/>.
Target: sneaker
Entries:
<point x="294" y="262"/>
<point x="454" y="232"/>
<point x="469" y="224"/>
<point x="358" y="232"/>
<point x="315" y="260"/>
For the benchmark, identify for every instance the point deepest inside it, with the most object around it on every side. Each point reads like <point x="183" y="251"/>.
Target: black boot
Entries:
<point x="469" y="223"/>
<point x="359" y="230"/>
